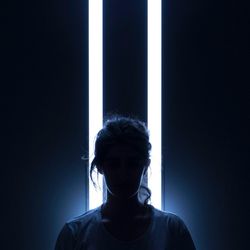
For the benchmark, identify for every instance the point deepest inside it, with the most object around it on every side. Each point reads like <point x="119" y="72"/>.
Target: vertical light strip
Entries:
<point x="154" y="98"/>
<point x="95" y="90"/>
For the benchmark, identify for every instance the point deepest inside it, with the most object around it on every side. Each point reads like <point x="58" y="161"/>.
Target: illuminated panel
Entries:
<point x="154" y="98"/>
<point x="95" y="91"/>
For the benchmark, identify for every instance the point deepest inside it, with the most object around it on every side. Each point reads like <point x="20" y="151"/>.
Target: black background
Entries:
<point x="44" y="116"/>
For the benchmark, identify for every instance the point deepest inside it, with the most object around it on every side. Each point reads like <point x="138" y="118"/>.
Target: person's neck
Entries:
<point x="123" y="209"/>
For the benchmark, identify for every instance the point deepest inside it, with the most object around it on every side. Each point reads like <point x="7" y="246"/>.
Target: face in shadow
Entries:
<point x="123" y="169"/>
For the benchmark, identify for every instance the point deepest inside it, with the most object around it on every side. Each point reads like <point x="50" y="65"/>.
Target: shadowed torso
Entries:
<point x="128" y="229"/>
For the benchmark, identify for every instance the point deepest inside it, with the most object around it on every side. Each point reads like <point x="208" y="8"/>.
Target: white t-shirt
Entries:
<point x="167" y="231"/>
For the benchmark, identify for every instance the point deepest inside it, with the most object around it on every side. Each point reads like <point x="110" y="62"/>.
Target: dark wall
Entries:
<point x="205" y="121"/>
<point x="125" y="57"/>
<point x="45" y="120"/>
<point x="205" y="113"/>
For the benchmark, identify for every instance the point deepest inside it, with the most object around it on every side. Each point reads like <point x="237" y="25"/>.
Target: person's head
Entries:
<point x="122" y="156"/>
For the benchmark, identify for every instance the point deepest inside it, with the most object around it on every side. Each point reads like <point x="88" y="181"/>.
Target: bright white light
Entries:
<point x="154" y="98"/>
<point x="95" y="90"/>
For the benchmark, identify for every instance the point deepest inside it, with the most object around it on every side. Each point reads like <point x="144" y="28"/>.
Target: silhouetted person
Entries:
<point x="124" y="221"/>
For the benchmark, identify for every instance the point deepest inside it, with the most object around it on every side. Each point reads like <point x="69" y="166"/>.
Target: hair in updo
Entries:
<point x="122" y="130"/>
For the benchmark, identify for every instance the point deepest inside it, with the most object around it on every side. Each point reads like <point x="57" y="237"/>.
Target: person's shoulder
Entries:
<point x="73" y="228"/>
<point x="176" y="229"/>
<point x="166" y="214"/>
<point x="83" y="219"/>
<point x="173" y="221"/>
